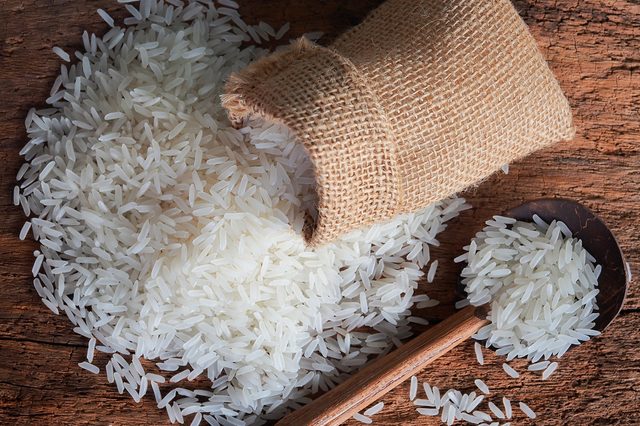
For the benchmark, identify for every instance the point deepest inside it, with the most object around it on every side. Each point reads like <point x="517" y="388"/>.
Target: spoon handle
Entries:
<point x="384" y="374"/>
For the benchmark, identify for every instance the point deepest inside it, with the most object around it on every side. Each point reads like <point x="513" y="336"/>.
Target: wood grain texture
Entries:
<point x="593" y="47"/>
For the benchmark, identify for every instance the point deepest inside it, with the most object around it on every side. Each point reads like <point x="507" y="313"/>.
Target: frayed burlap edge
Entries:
<point x="261" y="89"/>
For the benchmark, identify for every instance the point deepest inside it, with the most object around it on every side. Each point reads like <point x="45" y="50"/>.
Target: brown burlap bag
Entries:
<point x="421" y="100"/>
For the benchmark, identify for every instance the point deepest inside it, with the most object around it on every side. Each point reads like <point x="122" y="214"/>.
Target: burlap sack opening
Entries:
<point x="421" y="100"/>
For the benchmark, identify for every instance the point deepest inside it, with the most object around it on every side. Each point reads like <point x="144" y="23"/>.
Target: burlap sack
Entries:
<point x="421" y="100"/>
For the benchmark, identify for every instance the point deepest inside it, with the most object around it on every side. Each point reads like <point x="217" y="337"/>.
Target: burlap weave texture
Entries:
<point x="420" y="101"/>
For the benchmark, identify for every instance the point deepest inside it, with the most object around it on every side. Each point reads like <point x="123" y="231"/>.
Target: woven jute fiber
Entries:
<point x="420" y="101"/>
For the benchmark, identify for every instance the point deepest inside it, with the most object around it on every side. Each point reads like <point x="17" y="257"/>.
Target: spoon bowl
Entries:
<point x="596" y="238"/>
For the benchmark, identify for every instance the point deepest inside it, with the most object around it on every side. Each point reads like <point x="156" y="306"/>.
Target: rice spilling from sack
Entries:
<point x="541" y="284"/>
<point x="168" y="235"/>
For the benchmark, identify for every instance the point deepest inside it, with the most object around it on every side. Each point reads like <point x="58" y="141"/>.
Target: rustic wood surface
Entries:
<point x="593" y="46"/>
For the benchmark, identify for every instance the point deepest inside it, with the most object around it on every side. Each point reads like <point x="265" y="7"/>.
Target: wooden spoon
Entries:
<point x="380" y="376"/>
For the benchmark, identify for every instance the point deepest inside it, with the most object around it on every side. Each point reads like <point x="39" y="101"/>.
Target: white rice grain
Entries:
<point x="413" y="388"/>
<point x="62" y="54"/>
<point x="432" y="271"/>
<point x="508" y="412"/>
<point x="495" y="410"/>
<point x="527" y="410"/>
<point x="90" y="349"/>
<point x="477" y="347"/>
<point x="482" y="386"/>
<point x="428" y="411"/>
<point x="549" y="370"/>
<point x="106" y="17"/>
<point x="375" y="409"/>
<point x="24" y="230"/>
<point x="362" y="419"/>
<point x="510" y="371"/>
<point x="89" y="367"/>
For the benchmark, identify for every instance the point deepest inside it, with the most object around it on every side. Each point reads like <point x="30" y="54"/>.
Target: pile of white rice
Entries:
<point x="541" y="284"/>
<point x="167" y="235"/>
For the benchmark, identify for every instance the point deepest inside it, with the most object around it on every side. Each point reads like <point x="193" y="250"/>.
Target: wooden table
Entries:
<point x="593" y="47"/>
